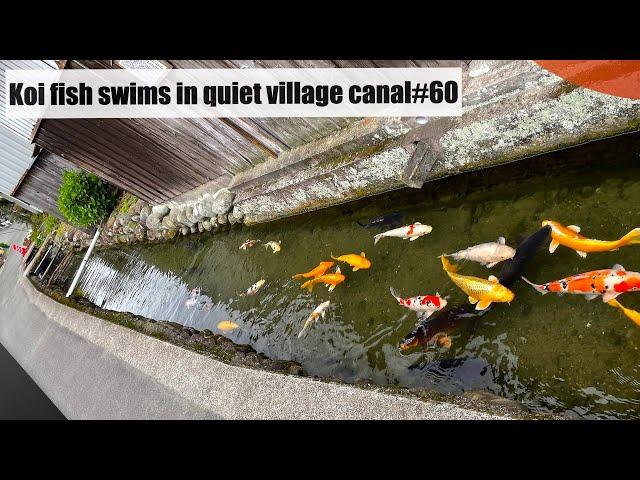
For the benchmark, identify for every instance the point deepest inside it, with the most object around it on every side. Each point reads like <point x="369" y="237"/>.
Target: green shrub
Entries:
<point x="42" y="225"/>
<point x="84" y="199"/>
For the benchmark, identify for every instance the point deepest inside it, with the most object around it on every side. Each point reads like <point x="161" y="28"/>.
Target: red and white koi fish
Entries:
<point x="425" y="304"/>
<point x="608" y="283"/>
<point x="412" y="232"/>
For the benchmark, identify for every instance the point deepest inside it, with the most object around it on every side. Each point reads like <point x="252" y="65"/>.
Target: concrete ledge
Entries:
<point x="511" y="110"/>
<point x="190" y="385"/>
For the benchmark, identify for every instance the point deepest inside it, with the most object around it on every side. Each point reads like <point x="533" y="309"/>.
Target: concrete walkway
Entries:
<point x="93" y="369"/>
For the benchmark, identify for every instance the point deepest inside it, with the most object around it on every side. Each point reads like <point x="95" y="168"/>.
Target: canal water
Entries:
<point x="551" y="353"/>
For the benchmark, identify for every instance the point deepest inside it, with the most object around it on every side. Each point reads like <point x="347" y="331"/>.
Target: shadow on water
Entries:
<point x="559" y="354"/>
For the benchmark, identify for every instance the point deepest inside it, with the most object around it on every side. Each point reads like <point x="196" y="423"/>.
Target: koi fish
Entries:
<point x="356" y="261"/>
<point x="227" y="325"/>
<point x="482" y="293"/>
<point x="192" y="301"/>
<point x="253" y="289"/>
<point x="412" y="232"/>
<point x="319" y="311"/>
<point x="487" y="254"/>
<point x="632" y="314"/>
<point x="570" y="237"/>
<point x="332" y="280"/>
<point x="609" y="283"/>
<point x="248" y="244"/>
<point x="449" y="319"/>
<point x="427" y="304"/>
<point x="316" y="272"/>
<point x="275" y="246"/>
<point x="390" y="220"/>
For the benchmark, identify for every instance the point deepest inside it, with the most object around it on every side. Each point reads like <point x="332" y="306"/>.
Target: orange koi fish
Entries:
<point x="609" y="283"/>
<point x="331" y="280"/>
<point x="481" y="292"/>
<point x="631" y="314"/>
<point x="570" y="237"/>
<point x="356" y="261"/>
<point x="321" y="269"/>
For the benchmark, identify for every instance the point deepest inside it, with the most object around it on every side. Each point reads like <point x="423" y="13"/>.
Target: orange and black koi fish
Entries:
<point x="609" y="283"/>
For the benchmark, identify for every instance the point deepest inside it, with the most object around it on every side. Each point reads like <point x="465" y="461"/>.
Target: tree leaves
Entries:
<point x="84" y="199"/>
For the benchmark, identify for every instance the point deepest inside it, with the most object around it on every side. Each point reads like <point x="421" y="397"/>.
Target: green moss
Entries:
<point x="126" y="201"/>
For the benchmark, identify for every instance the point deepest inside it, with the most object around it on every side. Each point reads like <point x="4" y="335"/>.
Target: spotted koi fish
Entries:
<point x="426" y="304"/>
<point x="570" y="237"/>
<point x="275" y="246"/>
<point x="248" y="244"/>
<point x="609" y="283"/>
<point x="321" y="269"/>
<point x="412" y="232"/>
<point x="320" y="311"/>
<point x="253" y="289"/>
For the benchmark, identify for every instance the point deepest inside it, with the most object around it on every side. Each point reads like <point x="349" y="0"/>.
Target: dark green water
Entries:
<point x="559" y="354"/>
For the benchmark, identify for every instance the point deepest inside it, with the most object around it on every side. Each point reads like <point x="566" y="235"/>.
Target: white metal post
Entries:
<point x="83" y="264"/>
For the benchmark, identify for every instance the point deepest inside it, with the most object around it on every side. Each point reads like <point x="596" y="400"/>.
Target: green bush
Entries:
<point x="84" y="199"/>
<point x="42" y="225"/>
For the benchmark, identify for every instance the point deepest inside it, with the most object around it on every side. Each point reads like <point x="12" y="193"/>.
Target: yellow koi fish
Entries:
<point x="356" y="261"/>
<point x="331" y="280"/>
<point x="481" y="292"/>
<point x="321" y="269"/>
<point x="632" y="314"/>
<point x="570" y="237"/>
<point x="227" y="325"/>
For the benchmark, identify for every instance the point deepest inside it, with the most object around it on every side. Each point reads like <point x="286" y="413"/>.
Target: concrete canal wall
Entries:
<point x="94" y="369"/>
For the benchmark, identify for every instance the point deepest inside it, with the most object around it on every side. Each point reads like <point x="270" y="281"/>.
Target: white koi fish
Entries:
<point x="194" y="296"/>
<point x="253" y="289"/>
<point x="275" y="246"/>
<point x="425" y="304"/>
<point x="317" y="313"/>
<point x="487" y="254"/>
<point x="248" y="244"/>
<point x="412" y="232"/>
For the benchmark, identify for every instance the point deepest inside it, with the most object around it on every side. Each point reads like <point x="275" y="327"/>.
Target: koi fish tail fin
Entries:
<point x="308" y="285"/>
<point x="447" y="265"/>
<point x="297" y="276"/>
<point x="334" y="258"/>
<point x="615" y="303"/>
<point x="537" y="287"/>
<point x="377" y="238"/>
<point x="631" y="238"/>
<point x="304" y="330"/>
<point x="394" y="293"/>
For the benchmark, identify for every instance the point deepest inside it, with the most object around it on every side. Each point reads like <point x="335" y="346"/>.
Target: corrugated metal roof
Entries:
<point x="20" y="126"/>
<point x="15" y="159"/>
